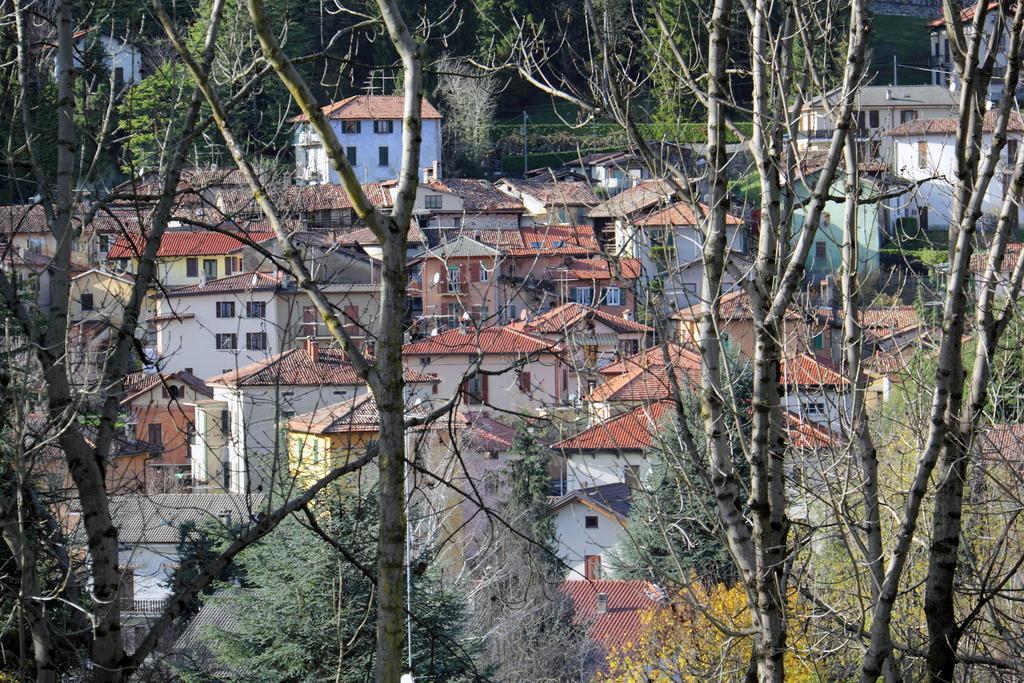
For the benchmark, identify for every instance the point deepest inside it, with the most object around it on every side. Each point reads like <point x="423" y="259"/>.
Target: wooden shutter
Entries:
<point x="351" y="314"/>
<point x="483" y="388"/>
<point x="474" y="272"/>
<point x="524" y="382"/>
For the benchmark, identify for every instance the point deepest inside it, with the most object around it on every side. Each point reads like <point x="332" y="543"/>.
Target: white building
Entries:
<point x="239" y="444"/>
<point x="588" y="525"/>
<point x="878" y="109"/>
<point x="941" y="58"/>
<point x="927" y="149"/>
<point x="369" y="128"/>
<point x="122" y="59"/>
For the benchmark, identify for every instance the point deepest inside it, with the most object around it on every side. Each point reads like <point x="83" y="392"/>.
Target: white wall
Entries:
<point x="584" y="470"/>
<point x="313" y="157"/>
<point x="502" y="390"/>
<point x="153" y="567"/>
<point x="575" y="541"/>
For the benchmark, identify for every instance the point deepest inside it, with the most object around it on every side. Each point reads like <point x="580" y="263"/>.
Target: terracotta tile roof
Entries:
<point x="329" y="197"/>
<point x="364" y="236"/>
<point x="644" y="378"/>
<point x="295" y="367"/>
<point x="734" y="305"/>
<point x="557" y="239"/>
<point x="176" y="243"/>
<point x="252" y="281"/>
<point x="598" y="269"/>
<point x="567" y="316"/>
<point x="361" y="107"/>
<point x="807" y="436"/>
<point x="484" y="435"/>
<point x="966" y="15"/>
<point x="22" y="218"/>
<point x="136" y="383"/>
<point x="478" y="196"/>
<point x="950" y="126"/>
<point x="627" y="603"/>
<point x="359" y="414"/>
<point x="554" y="192"/>
<point x="979" y="261"/>
<point x="500" y="340"/>
<point x="1002" y="443"/>
<point x="879" y="322"/>
<point x="806" y="370"/>
<point x="680" y="213"/>
<point x="631" y="431"/>
<point x="644" y="195"/>
<point x="499" y="239"/>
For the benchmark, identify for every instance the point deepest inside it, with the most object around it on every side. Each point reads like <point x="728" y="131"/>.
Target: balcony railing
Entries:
<point x="129" y="606"/>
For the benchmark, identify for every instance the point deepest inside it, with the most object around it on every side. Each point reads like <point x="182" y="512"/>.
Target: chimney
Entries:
<point x="626" y="315"/>
<point x="313" y="349"/>
<point x="426" y="175"/>
<point x="602" y="603"/>
<point x="225" y="517"/>
<point x="436" y="167"/>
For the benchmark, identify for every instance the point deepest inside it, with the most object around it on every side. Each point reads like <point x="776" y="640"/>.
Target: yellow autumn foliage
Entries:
<point x="682" y="643"/>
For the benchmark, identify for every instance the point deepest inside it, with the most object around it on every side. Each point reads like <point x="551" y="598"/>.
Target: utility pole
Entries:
<point x="525" y="149"/>
<point x="895" y="76"/>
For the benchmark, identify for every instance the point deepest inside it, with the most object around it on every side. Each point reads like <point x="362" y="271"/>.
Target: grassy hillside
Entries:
<point x="907" y="38"/>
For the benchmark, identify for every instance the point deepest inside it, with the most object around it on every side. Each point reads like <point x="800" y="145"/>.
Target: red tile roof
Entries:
<point x="557" y="239"/>
<point x="633" y="430"/>
<point x="644" y="378"/>
<point x="979" y="261"/>
<point x="554" y="192"/>
<point x="680" y="213"/>
<point x="375" y="107"/>
<point x="478" y="196"/>
<point x="734" y="305"/>
<point x="598" y="269"/>
<point x="567" y="316"/>
<point x="501" y="340"/>
<point x="359" y="414"/>
<point x="646" y="194"/>
<point x="243" y="282"/>
<point x="296" y="367"/>
<point x="499" y="239"/>
<point x="966" y="15"/>
<point x="627" y="603"/>
<point x="22" y="218"/>
<point x="136" y="383"/>
<point x="484" y="435"/>
<point x="807" y="436"/>
<point x="950" y="126"/>
<point x="806" y="370"/>
<point x="1002" y="443"/>
<point x="178" y="243"/>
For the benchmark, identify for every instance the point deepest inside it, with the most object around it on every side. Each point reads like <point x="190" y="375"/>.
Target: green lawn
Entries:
<point x="907" y="38"/>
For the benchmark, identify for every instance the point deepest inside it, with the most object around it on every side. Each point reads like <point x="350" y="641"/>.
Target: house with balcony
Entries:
<point x="550" y="201"/>
<point x="369" y="128"/>
<point x="212" y="328"/>
<point x="499" y="368"/>
<point x="591" y="338"/>
<point x="878" y="110"/>
<point x="925" y="153"/>
<point x="456" y="279"/>
<point x="239" y="445"/>
<point x="483" y="207"/>
<point x="669" y="244"/>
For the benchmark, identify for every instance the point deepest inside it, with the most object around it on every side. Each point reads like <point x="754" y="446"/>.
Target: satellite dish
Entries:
<point x="437" y="278"/>
<point x="523" y="315"/>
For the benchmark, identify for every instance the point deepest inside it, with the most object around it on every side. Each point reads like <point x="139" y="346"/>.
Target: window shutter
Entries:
<point x="474" y="272"/>
<point x="483" y="388"/>
<point x="444" y="275"/>
<point x="351" y="314"/>
<point x="524" y="382"/>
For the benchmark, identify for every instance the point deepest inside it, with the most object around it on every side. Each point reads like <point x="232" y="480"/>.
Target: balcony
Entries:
<point x="129" y="606"/>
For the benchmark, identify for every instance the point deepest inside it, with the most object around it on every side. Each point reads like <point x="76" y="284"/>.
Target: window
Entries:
<point x="35" y="245"/>
<point x="256" y="309"/>
<point x="1011" y="151"/>
<point x="350" y="154"/>
<point x="592" y="567"/>
<point x="382" y="156"/>
<point x="818" y="341"/>
<point x="225" y="309"/>
<point x="432" y="201"/>
<point x="476" y="390"/>
<point x="631" y="473"/>
<point x="485" y="274"/>
<point x="922" y="154"/>
<point x="814" y="409"/>
<point x="563" y="215"/>
<point x="384" y="127"/>
<point x="227" y="341"/>
<point x="210" y="268"/>
<point x="590" y="354"/>
<point x="922" y="217"/>
<point x="612" y="296"/>
<point x="118" y="77"/>
<point x="524" y="382"/>
<point x="351" y="128"/>
<point x="590" y="521"/>
<point x="860" y="120"/>
<point x="104" y="244"/>
<point x="582" y="295"/>
<point x="190" y="432"/>
<point x="155" y="435"/>
<point x="191" y="267"/>
<point x="174" y="391"/>
<point x="819" y="250"/>
<point x="309" y="322"/>
<point x="316" y="451"/>
<point x="873" y="118"/>
<point x="454" y="278"/>
<point x="908" y="115"/>
<point x="629" y="347"/>
<point x="225" y="423"/>
<point x="87" y="302"/>
<point x="229" y="266"/>
<point x="256" y="341"/>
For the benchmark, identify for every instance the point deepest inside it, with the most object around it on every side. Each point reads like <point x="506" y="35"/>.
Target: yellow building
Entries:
<point x="187" y="257"/>
<point x="100" y="294"/>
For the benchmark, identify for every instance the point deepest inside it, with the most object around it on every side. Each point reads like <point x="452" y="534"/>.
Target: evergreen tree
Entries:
<point x="305" y="610"/>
